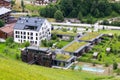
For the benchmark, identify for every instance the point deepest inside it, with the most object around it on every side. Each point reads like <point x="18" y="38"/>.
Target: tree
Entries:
<point x="59" y="16"/>
<point x="80" y="16"/>
<point x="27" y="43"/>
<point x="115" y="65"/>
<point x="9" y="41"/>
<point x="74" y="29"/>
<point x="118" y="71"/>
<point x="54" y="36"/>
<point x="2" y="23"/>
<point x="12" y="3"/>
<point x="22" y="5"/>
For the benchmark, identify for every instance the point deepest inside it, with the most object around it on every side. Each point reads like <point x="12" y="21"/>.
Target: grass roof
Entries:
<point x="64" y="33"/>
<point x="74" y="46"/>
<point x="90" y="36"/>
<point x="62" y="57"/>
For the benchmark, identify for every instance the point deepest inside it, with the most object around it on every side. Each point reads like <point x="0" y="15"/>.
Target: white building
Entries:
<point x="32" y="29"/>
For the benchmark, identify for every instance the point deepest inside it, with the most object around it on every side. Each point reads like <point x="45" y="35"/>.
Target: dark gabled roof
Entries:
<point x="29" y="21"/>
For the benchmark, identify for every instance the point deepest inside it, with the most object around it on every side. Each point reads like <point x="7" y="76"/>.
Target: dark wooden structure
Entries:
<point x="40" y="56"/>
<point x="44" y="57"/>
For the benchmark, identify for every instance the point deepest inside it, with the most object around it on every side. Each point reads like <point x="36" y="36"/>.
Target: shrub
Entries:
<point x="115" y="65"/>
<point x="106" y="64"/>
<point x="9" y="41"/>
<point x="118" y="71"/>
<point x="27" y="43"/>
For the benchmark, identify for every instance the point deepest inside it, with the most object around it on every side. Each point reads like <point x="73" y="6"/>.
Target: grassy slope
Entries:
<point x="16" y="70"/>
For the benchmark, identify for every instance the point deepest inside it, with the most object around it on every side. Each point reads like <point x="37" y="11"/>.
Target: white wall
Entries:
<point x="42" y="34"/>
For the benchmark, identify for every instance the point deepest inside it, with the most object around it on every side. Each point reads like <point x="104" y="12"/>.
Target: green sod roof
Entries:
<point x="74" y="46"/>
<point x="90" y="36"/>
<point x="63" y="33"/>
<point x="62" y="57"/>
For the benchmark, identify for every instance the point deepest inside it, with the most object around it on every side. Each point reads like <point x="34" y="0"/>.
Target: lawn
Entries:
<point x="62" y="57"/>
<point x="12" y="52"/>
<point x="90" y="36"/>
<point x="64" y="33"/>
<point x="74" y="46"/>
<point x="58" y="43"/>
<point x="17" y="70"/>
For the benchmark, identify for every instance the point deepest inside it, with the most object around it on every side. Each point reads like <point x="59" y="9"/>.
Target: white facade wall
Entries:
<point x="34" y="37"/>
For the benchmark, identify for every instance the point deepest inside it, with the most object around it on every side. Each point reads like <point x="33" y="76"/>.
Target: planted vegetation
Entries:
<point x="74" y="46"/>
<point x="104" y="57"/>
<point x="62" y="57"/>
<point x="90" y="36"/>
<point x="64" y="32"/>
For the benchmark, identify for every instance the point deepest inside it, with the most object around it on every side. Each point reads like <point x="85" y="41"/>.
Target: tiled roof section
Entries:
<point x="7" y="28"/>
<point x="4" y="10"/>
<point x="29" y="21"/>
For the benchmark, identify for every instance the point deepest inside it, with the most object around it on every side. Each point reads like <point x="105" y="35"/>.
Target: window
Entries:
<point x="24" y="33"/>
<point x="32" y="38"/>
<point x="16" y="32"/>
<point x="36" y="38"/>
<point x="36" y="34"/>
<point x="31" y="34"/>
<point x="16" y="36"/>
<point x="24" y="37"/>
<point x="21" y="32"/>
<point x="35" y="42"/>
<point x="28" y="37"/>
<point x="21" y="36"/>
<point x="28" y="33"/>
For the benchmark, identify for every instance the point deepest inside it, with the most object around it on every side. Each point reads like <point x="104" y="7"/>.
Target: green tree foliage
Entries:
<point x="59" y="16"/>
<point x="71" y="8"/>
<point x="118" y="71"/>
<point x="12" y="3"/>
<point x="80" y="16"/>
<point x="74" y="29"/>
<point x="27" y="43"/>
<point x="22" y="5"/>
<point x="48" y="11"/>
<point x="9" y="41"/>
<point x="115" y="65"/>
<point x="1" y="23"/>
<point x="54" y="37"/>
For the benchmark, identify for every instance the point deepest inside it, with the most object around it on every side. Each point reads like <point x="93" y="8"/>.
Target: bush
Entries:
<point x="17" y="56"/>
<point x="26" y="44"/>
<point x="118" y="71"/>
<point x="2" y="23"/>
<point x="64" y="29"/>
<point x="106" y="64"/>
<point x="115" y="65"/>
<point x="54" y="36"/>
<point x="9" y="41"/>
<point x="59" y="16"/>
